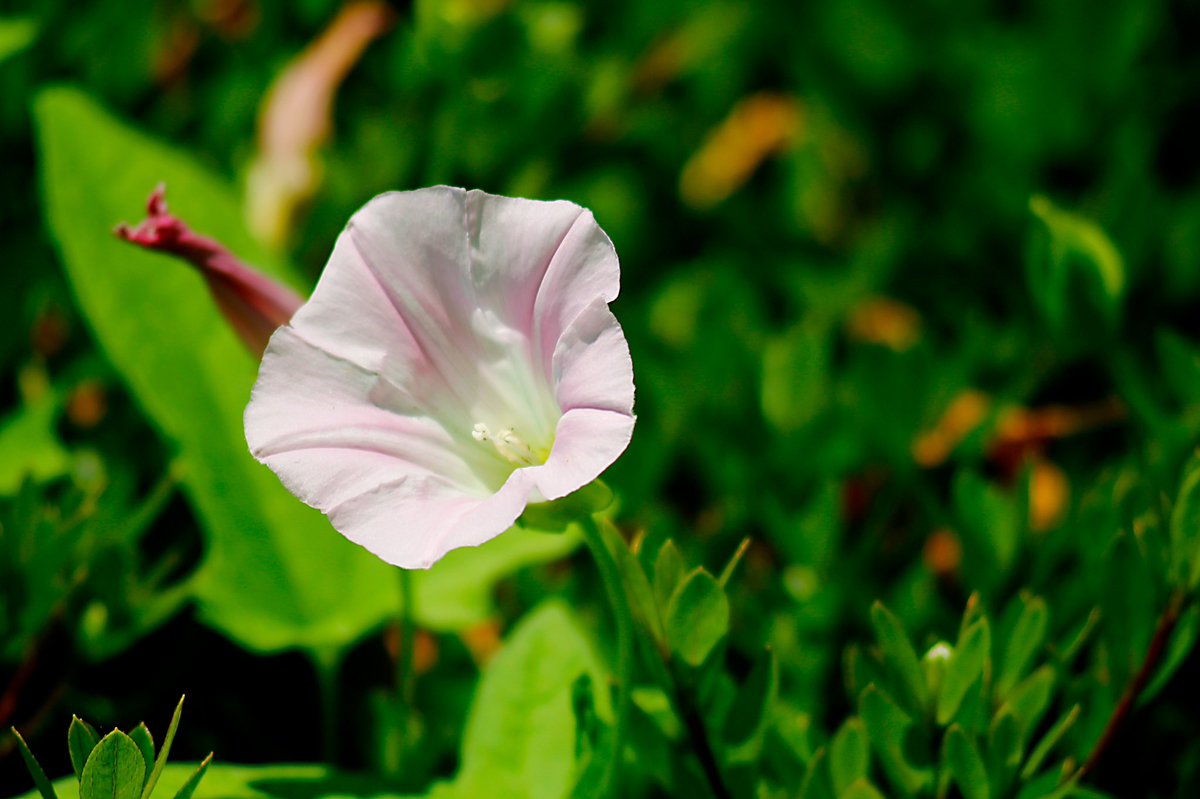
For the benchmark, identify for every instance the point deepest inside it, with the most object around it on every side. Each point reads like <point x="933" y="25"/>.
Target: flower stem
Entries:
<point x="607" y="785"/>
<point x="408" y="632"/>
<point x="405" y="659"/>
<point x="698" y="736"/>
<point x="328" y="666"/>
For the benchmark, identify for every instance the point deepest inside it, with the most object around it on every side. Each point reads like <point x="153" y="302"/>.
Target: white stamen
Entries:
<point x="510" y="446"/>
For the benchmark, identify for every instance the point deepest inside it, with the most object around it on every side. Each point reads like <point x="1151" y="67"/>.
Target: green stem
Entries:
<point x="327" y="665"/>
<point x="623" y="618"/>
<point x="697" y="734"/>
<point x="405" y="675"/>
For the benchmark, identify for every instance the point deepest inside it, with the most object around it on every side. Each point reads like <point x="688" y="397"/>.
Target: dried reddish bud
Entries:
<point x="253" y="304"/>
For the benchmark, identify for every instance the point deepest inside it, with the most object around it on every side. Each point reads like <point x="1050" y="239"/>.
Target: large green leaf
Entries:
<point x="275" y="574"/>
<point x="520" y="739"/>
<point x="457" y="592"/>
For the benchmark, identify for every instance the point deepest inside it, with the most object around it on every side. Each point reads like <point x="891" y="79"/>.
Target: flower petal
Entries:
<point x="587" y="442"/>
<point x="591" y="366"/>
<point x="584" y="269"/>
<point x="414" y="522"/>
<point x="513" y="243"/>
<point x="396" y="288"/>
<point x="331" y="430"/>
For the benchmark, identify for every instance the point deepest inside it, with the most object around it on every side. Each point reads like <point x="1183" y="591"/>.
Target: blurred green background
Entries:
<point x="910" y="289"/>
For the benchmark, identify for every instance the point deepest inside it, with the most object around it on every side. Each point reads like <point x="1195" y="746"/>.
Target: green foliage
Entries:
<point x="234" y="782"/>
<point x="520" y="737"/>
<point x="1074" y="263"/>
<point x="69" y="548"/>
<point x="975" y="723"/>
<point x="81" y="740"/>
<point x="117" y="766"/>
<point x="697" y="617"/>
<point x="28" y="446"/>
<point x="16" y="34"/>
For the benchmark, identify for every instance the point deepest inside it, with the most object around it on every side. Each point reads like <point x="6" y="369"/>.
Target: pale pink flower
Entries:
<point x="456" y="362"/>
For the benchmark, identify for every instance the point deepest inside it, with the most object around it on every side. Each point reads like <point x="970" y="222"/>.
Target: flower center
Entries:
<point x="510" y="446"/>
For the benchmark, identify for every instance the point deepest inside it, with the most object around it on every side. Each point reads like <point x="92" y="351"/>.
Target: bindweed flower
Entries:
<point x="456" y="362"/>
<point x="253" y="304"/>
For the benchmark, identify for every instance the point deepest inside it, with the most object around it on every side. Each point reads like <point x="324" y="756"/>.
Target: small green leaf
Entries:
<point x="1004" y="751"/>
<point x="656" y="705"/>
<point x="888" y="727"/>
<point x="900" y="658"/>
<point x="966" y="764"/>
<point x="816" y="784"/>
<point x="1029" y="700"/>
<point x="795" y="376"/>
<point x="161" y="761"/>
<point x="558" y="515"/>
<point x="795" y="731"/>
<point x="1049" y="741"/>
<point x="1046" y="786"/>
<point x="1081" y="636"/>
<point x="114" y="770"/>
<point x="669" y="571"/>
<point x="755" y="702"/>
<point x="965" y="667"/>
<point x="731" y="566"/>
<point x="991" y="526"/>
<point x="44" y="787"/>
<point x="1074" y="259"/>
<point x="16" y="34"/>
<point x="1183" y="640"/>
<point x="697" y="617"/>
<point x="81" y="740"/>
<point x="1179" y="362"/>
<point x="189" y="787"/>
<point x="849" y="755"/>
<point x="1130" y="603"/>
<point x="637" y="586"/>
<point x="1026" y="640"/>
<point x="861" y="789"/>
<point x="29" y="444"/>
<point x="1185" y="526"/>
<point x="145" y="744"/>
